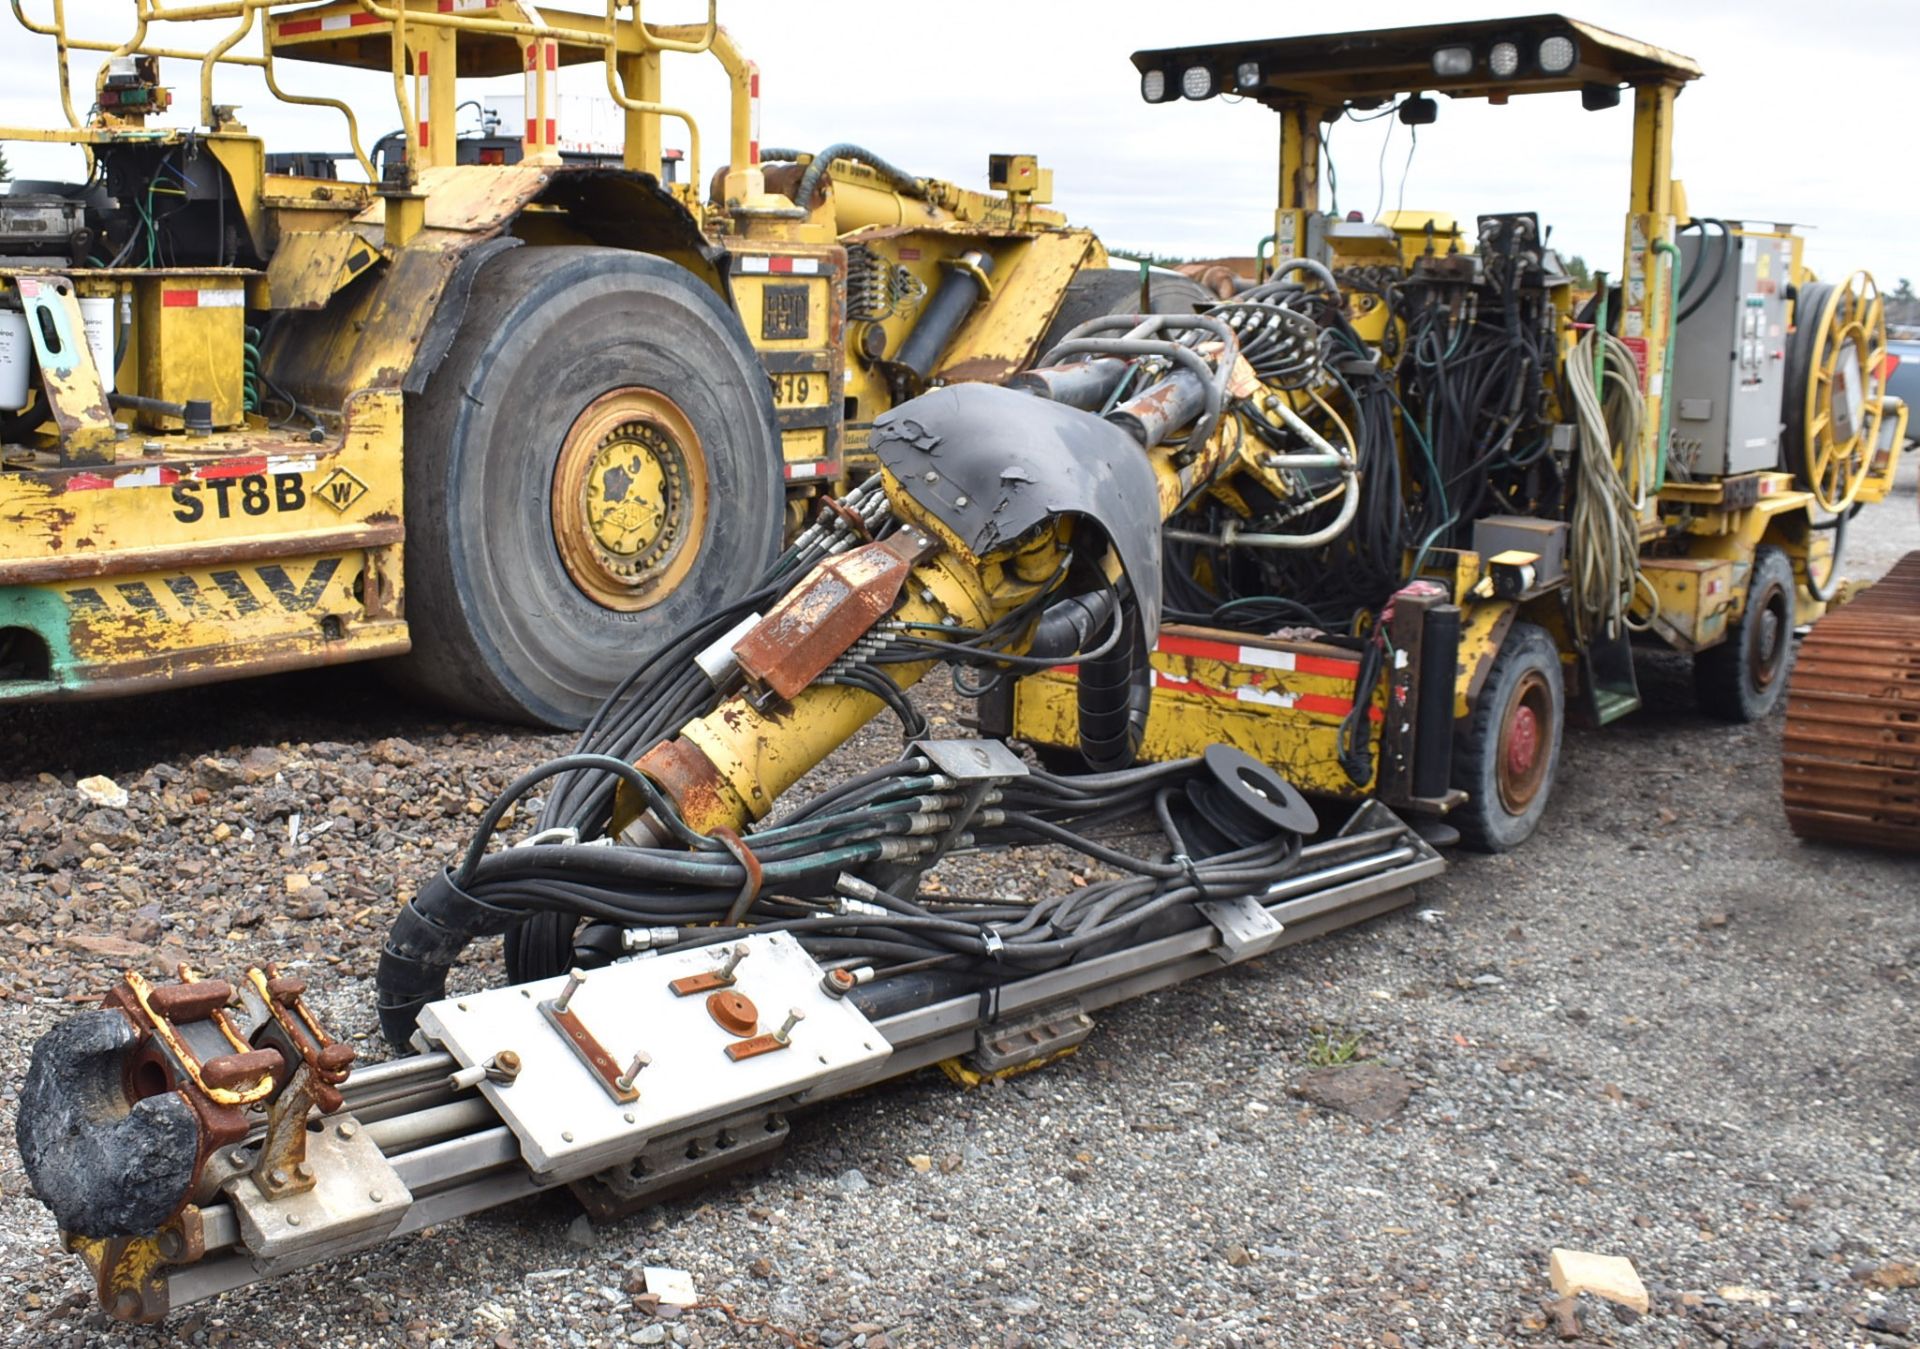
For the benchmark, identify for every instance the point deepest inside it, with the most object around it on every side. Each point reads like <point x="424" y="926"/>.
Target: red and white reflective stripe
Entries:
<point x="332" y="23"/>
<point x="1260" y="656"/>
<point x="204" y="297"/>
<point x="422" y="98"/>
<point x="155" y="475"/>
<point x="1324" y="704"/>
<point x="252" y="466"/>
<point x="781" y="266"/>
<point x="543" y="74"/>
<point x="753" y="114"/>
<point x="813" y="468"/>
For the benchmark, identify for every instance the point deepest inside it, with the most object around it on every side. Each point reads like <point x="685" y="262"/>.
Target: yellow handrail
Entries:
<point x="59" y="35"/>
<point x="610" y="40"/>
<point x="215" y="54"/>
<point x="314" y="101"/>
<point x="619" y="94"/>
<point x="657" y="37"/>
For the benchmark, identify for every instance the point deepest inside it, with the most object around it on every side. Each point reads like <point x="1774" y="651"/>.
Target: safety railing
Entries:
<point x="629" y="48"/>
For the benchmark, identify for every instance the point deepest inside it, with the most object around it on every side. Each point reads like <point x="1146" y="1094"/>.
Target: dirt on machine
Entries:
<point x="501" y="413"/>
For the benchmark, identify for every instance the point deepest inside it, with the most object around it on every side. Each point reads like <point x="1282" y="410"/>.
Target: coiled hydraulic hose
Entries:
<point x="896" y="176"/>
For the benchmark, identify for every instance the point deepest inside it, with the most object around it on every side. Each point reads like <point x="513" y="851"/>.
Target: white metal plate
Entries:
<point x="567" y="1122"/>
<point x="1246" y="928"/>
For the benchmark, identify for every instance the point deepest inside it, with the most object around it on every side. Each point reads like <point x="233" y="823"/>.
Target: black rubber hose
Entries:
<point x="898" y="177"/>
<point x="1071" y="625"/>
<point x="1825" y="591"/>
<point x="1687" y="311"/>
<point x="1113" y="693"/>
<point x="436" y="925"/>
<point x="1809" y="308"/>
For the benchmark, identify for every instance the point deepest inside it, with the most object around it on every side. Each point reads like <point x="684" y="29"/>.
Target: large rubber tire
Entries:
<point x="1744" y="677"/>
<point x="1506" y="753"/>
<point x="501" y="627"/>
<point x="1099" y="291"/>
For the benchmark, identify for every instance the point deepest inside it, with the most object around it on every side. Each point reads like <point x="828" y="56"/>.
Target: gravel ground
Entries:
<point x="1664" y="1030"/>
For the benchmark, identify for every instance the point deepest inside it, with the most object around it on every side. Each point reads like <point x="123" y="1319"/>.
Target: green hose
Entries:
<point x="1600" y="327"/>
<point x="1672" y="253"/>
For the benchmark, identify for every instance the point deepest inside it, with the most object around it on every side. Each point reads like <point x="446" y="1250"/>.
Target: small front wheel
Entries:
<point x="1507" y="751"/>
<point x="1743" y="677"/>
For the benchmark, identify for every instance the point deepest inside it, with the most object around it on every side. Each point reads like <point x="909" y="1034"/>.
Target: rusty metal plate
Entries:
<point x="815" y="623"/>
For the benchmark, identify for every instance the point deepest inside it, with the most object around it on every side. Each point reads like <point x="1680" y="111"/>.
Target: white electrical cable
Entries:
<point x="1615" y="478"/>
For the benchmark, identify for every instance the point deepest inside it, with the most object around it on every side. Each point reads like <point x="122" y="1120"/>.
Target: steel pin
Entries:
<point x="626" y="1080"/>
<point x="794" y="1017"/>
<point x="734" y="957"/>
<point x="575" y="978"/>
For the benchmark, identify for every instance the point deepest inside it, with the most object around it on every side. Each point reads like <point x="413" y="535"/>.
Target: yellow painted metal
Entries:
<point x="1299" y="195"/>
<point x="364" y="268"/>
<point x="190" y="329"/>
<point x="1030" y="278"/>
<point x="247" y="550"/>
<point x="1647" y="282"/>
<point x="630" y="499"/>
<point x="69" y="380"/>
<point x="749" y="755"/>
<point x="1696" y="595"/>
<point x="310" y="266"/>
<point x="1483" y="627"/>
<point x="759" y="754"/>
<point x="1281" y="701"/>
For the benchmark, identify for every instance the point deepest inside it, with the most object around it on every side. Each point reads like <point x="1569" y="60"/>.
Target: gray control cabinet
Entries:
<point x="1730" y="356"/>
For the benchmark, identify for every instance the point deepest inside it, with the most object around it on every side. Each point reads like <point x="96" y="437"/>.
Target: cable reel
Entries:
<point x="1836" y="380"/>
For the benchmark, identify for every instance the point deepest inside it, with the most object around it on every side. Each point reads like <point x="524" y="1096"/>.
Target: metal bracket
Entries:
<point x="560" y="1108"/>
<point x="978" y="766"/>
<point x="1246" y="928"/>
<point x="72" y="384"/>
<point x="592" y="1053"/>
<point x="356" y="1195"/>
<point x="972" y="760"/>
<point x="1029" y="1040"/>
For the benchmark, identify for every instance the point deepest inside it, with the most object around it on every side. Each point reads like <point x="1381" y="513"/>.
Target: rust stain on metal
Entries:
<point x="979" y="370"/>
<point x="584" y="1043"/>
<point x="130" y="1273"/>
<point x="733" y="1012"/>
<point x="686" y="775"/>
<point x="758" y="1045"/>
<point x="816" y="622"/>
<point x="37" y="571"/>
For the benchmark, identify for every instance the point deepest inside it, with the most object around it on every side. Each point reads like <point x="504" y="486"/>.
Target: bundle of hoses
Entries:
<point x="568" y="894"/>
<point x="805" y="878"/>
<point x="1614" y="478"/>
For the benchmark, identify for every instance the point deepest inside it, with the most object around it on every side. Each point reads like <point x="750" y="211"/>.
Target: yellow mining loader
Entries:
<point x="1514" y="490"/>
<point x="504" y="413"/>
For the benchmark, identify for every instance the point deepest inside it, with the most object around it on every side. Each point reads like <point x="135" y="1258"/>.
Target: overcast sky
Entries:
<point x="1807" y="113"/>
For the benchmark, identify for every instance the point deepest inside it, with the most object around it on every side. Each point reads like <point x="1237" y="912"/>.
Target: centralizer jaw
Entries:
<point x="134" y="1114"/>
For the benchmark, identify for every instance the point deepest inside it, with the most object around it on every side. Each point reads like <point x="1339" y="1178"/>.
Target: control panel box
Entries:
<point x="1729" y="359"/>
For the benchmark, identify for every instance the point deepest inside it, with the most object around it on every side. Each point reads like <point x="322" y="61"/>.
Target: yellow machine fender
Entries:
<point x="1483" y="627"/>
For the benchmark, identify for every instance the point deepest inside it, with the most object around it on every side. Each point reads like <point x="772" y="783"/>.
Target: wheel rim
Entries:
<point x="1767" y="637"/>
<point x="629" y="499"/>
<point x="1524" y="749"/>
